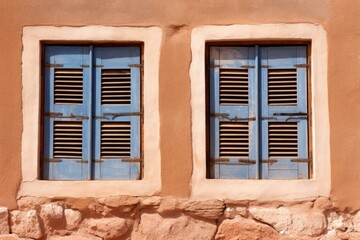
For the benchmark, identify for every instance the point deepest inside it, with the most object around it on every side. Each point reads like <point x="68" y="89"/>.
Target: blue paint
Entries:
<point x="259" y="59"/>
<point x="85" y="57"/>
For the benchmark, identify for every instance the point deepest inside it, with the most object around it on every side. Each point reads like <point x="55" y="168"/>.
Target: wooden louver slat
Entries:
<point x="68" y="139"/>
<point x="234" y="86"/>
<point x="115" y="86"/>
<point x="282" y="87"/>
<point x="283" y="140"/>
<point x="115" y="139"/>
<point x="234" y="140"/>
<point x="68" y="86"/>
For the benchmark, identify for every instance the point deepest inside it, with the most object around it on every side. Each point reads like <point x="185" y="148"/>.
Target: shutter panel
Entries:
<point x="118" y="113"/>
<point x="232" y="111"/>
<point x="284" y="112"/>
<point x="66" y="113"/>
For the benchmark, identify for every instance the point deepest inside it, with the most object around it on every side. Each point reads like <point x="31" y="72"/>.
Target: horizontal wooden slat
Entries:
<point x="282" y="87"/>
<point x="68" y="86"/>
<point x="283" y="140"/>
<point x="68" y="140"/>
<point x="234" y="87"/>
<point x="115" y="139"/>
<point x="234" y="140"/>
<point x="115" y="86"/>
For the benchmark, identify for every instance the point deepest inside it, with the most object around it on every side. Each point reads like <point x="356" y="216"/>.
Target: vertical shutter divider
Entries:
<point x="91" y="99"/>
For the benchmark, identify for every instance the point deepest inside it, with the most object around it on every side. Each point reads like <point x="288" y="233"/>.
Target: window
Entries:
<point x="145" y="40"/>
<point x="92" y="112"/>
<point x="243" y="181"/>
<point x="258" y="118"/>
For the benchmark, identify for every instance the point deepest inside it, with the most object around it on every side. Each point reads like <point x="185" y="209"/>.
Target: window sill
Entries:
<point x="96" y="189"/>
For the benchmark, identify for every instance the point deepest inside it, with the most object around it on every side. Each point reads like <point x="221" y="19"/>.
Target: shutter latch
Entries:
<point x="228" y="161"/>
<point x="300" y="160"/>
<point x="61" y="115"/>
<point x="291" y="114"/>
<point x="234" y="119"/>
<point x="122" y="114"/>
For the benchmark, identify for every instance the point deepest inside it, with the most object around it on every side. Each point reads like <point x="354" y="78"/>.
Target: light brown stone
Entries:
<point x="51" y="211"/>
<point x="73" y="218"/>
<point x="168" y="205"/>
<point x="356" y="221"/>
<point x="322" y="203"/>
<point x="308" y="223"/>
<point x="9" y="237"/>
<point x="151" y="201"/>
<point x="154" y="227"/>
<point x="28" y="203"/>
<point x="4" y="220"/>
<point x="119" y="201"/>
<point x="76" y="236"/>
<point x="340" y="222"/>
<point x="211" y="209"/>
<point x="245" y="229"/>
<point x="107" y="228"/>
<point x="81" y="203"/>
<point x="279" y="218"/>
<point x="25" y="224"/>
<point x="348" y="235"/>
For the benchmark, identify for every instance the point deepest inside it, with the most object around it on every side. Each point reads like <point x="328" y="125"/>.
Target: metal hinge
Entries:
<point x="123" y="114"/>
<point x="82" y="161"/>
<point x="235" y="162"/>
<point x="268" y="118"/>
<point x="136" y="65"/>
<point x="264" y="66"/>
<point x="226" y="115"/>
<point x="300" y="160"/>
<point x="98" y="66"/>
<point x="60" y="115"/>
<point x="84" y="66"/>
<point x="270" y="161"/>
<point x="52" y="160"/>
<point x="130" y="160"/>
<point x="291" y="114"/>
<point x="214" y="65"/>
<point x="50" y="65"/>
<point x="301" y="65"/>
<point x="247" y="66"/>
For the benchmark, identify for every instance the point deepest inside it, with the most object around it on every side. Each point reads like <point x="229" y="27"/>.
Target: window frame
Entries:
<point x="319" y="184"/>
<point x="33" y="38"/>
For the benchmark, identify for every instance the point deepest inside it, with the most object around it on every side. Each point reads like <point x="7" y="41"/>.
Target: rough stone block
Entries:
<point x="308" y="223"/>
<point x="245" y="229"/>
<point x="25" y="224"/>
<point x="4" y="220"/>
<point x="154" y="227"/>
<point x="211" y="209"/>
<point x="107" y="228"/>
<point x="279" y="218"/>
<point x="73" y="218"/>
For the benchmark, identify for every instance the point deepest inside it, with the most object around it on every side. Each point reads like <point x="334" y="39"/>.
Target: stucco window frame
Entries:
<point x="319" y="184"/>
<point x="32" y="38"/>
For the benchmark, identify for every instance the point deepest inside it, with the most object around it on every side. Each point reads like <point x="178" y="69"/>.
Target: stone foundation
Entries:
<point x="126" y="217"/>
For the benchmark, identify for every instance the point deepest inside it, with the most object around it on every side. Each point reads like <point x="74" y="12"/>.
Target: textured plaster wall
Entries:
<point x="177" y="18"/>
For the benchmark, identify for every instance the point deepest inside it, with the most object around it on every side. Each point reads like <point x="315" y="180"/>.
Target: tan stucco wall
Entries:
<point x="177" y="19"/>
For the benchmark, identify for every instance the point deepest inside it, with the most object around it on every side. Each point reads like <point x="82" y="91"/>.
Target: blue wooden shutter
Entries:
<point x="117" y="113"/>
<point x="233" y="99"/>
<point x="66" y="113"/>
<point x="284" y="112"/>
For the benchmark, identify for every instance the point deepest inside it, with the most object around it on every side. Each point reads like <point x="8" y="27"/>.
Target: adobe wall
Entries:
<point x="177" y="19"/>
